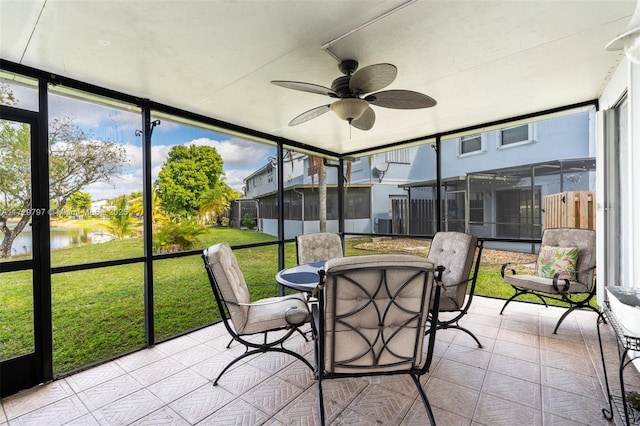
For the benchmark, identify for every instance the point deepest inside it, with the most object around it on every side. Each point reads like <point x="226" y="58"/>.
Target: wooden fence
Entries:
<point x="574" y="209"/>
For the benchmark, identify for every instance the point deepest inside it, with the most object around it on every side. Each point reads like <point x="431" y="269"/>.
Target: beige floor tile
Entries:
<point x="107" y="392"/>
<point x="382" y="405"/>
<point x="493" y="410"/>
<point x="128" y="409"/>
<point x="461" y="374"/>
<point x="272" y="395"/>
<point x="56" y="413"/>
<point x="512" y="389"/>
<point x="36" y="397"/>
<point x="518" y="351"/>
<point x="201" y="403"/>
<point x="94" y="376"/>
<point x="514" y="367"/>
<point x="238" y="412"/>
<point x="466" y="355"/>
<point x="452" y="397"/>
<point x="157" y="371"/>
<point x="163" y="416"/>
<point x="574" y="407"/>
<point x="176" y="386"/>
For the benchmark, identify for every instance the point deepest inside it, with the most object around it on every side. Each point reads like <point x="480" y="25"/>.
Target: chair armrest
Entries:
<point x="514" y="267"/>
<point x="504" y="267"/>
<point x="567" y="284"/>
<point x="269" y="302"/>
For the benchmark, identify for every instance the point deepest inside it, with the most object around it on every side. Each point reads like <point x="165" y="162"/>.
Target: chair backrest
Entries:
<point x="455" y="251"/>
<point x="318" y="246"/>
<point x="374" y="310"/>
<point x="227" y="283"/>
<point x="584" y="240"/>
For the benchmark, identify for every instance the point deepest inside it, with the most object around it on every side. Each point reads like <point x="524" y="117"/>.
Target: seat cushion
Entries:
<point x="538" y="283"/>
<point x="270" y="313"/>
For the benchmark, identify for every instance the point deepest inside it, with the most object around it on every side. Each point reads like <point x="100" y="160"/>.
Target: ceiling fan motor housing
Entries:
<point x="340" y="87"/>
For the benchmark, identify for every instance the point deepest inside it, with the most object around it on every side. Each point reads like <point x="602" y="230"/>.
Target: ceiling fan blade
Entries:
<point x="372" y="78"/>
<point x="366" y="121"/>
<point x="308" y="115"/>
<point x="401" y="99"/>
<point x="305" y="87"/>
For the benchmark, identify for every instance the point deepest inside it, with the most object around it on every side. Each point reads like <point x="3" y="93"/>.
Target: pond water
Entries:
<point x="60" y="238"/>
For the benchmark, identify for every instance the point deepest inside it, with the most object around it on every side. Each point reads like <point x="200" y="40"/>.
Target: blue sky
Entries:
<point x="241" y="157"/>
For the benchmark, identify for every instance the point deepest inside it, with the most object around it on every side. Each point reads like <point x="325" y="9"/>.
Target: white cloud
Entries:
<point x="234" y="178"/>
<point x="236" y="152"/>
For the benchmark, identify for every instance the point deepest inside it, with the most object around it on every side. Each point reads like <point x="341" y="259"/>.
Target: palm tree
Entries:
<point x="121" y="221"/>
<point x="217" y="199"/>
<point x="137" y="207"/>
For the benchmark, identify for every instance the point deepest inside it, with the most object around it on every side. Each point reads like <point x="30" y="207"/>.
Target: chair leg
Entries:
<point x="427" y="406"/>
<point x="261" y="351"/>
<point x="320" y="402"/>
<point x="469" y="333"/>
<point x="568" y="311"/>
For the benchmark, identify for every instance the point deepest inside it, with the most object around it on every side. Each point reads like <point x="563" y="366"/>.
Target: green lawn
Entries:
<point x="99" y="313"/>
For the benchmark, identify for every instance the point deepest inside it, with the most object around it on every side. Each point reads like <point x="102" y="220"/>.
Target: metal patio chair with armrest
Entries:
<point x="564" y="270"/>
<point x="371" y="317"/>
<point x="454" y="254"/>
<point x="243" y="318"/>
<point x="319" y="246"/>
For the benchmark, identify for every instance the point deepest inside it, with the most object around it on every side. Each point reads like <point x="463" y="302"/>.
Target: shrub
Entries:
<point x="174" y="235"/>
<point x="248" y="221"/>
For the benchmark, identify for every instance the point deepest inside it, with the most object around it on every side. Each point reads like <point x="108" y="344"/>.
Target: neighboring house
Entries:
<point x="493" y="183"/>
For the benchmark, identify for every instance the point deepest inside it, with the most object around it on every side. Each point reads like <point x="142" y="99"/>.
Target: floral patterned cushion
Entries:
<point x="553" y="259"/>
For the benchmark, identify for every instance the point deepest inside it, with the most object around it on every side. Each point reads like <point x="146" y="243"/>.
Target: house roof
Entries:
<point x="481" y="60"/>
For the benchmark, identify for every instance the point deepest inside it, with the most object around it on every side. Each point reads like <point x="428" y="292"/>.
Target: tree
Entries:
<point x="137" y="206"/>
<point x="75" y="161"/>
<point x="15" y="179"/>
<point x="217" y="200"/>
<point x="186" y="176"/>
<point x="79" y="203"/>
<point x="317" y="164"/>
<point x="121" y="221"/>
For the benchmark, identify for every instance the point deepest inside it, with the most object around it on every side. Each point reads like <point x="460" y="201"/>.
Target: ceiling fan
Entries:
<point x="353" y="104"/>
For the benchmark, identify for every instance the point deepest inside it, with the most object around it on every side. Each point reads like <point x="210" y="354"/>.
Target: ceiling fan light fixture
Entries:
<point x="349" y="108"/>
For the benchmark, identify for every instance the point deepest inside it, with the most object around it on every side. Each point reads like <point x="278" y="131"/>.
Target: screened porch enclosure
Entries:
<point x="502" y="203"/>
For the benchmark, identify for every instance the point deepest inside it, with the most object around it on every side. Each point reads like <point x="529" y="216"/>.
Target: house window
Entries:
<point x="470" y="144"/>
<point x="270" y="176"/>
<point x="514" y="135"/>
<point x="398" y="156"/>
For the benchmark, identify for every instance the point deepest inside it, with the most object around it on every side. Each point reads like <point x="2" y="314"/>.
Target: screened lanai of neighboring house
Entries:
<point x="135" y="81"/>
<point x="501" y="203"/>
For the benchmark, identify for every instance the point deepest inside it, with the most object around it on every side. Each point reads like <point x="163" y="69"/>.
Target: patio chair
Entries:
<point x="454" y="253"/>
<point x="243" y="318"/>
<point x="371" y="317"/>
<point x="564" y="270"/>
<point x="318" y="247"/>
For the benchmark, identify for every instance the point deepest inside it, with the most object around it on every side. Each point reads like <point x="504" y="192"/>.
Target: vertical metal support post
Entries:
<point x="280" y="155"/>
<point x="147" y="130"/>
<point x="341" y="198"/>
<point x="41" y="227"/>
<point x="438" y="185"/>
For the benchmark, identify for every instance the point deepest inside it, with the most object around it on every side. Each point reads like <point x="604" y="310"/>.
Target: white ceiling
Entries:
<point x="481" y="60"/>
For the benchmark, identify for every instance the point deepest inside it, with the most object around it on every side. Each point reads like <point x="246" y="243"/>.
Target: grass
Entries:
<point x="99" y="313"/>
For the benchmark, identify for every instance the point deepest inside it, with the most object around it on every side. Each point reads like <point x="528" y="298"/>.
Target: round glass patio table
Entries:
<point x="302" y="277"/>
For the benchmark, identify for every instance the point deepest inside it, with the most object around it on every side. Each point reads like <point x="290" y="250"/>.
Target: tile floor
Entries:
<point x="524" y="375"/>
